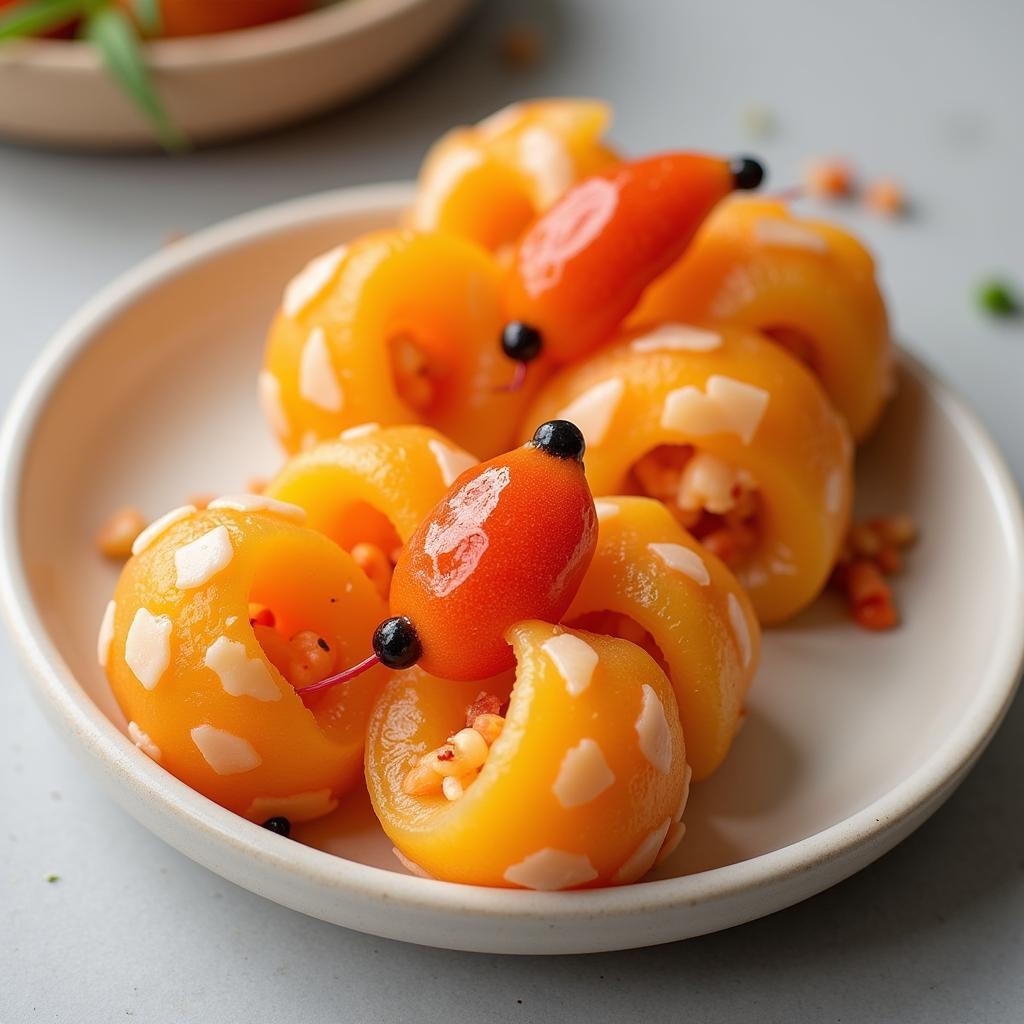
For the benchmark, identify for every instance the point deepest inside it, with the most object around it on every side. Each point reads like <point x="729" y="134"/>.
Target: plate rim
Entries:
<point x="72" y="711"/>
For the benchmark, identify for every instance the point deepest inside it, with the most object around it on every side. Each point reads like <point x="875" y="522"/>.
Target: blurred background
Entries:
<point x="926" y="93"/>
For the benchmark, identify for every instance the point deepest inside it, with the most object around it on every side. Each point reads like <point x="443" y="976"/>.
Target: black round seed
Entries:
<point x="281" y="825"/>
<point x="520" y="341"/>
<point x="396" y="642"/>
<point x="322" y="644"/>
<point x="747" y="173"/>
<point x="560" y="438"/>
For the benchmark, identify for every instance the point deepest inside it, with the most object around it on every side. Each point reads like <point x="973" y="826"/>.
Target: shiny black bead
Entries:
<point x="396" y="643"/>
<point x="747" y="173"/>
<point x="520" y="341"/>
<point x="560" y="438"/>
<point x="282" y="826"/>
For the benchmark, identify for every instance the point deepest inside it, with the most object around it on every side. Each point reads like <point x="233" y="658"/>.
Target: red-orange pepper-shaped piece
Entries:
<point x="510" y="541"/>
<point x="583" y="265"/>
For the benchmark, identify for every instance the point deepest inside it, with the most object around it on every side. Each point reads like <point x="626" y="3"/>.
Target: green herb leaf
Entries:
<point x="34" y="17"/>
<point x="148" y="13"/>
<point x="997" y="298"/>
<point x="112" y="33"/>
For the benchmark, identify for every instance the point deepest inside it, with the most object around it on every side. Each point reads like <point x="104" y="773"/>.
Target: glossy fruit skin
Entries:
<point x="706" y="630"/>
<point x="754" y="264"/>
<point x="311" y="754"/>
<point x="206" y="17"/>
<point x="511" y="811"/>
<point x="583" y="265"/>
<point x="511" y="539"/>
<point x="489" y="181"/>
<point x="375" y="486"/>
<point x="800" y="453"/>
<point x="440" y="291"/>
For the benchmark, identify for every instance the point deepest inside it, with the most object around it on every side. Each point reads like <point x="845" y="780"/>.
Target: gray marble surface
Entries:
<point x="923" y="89"/>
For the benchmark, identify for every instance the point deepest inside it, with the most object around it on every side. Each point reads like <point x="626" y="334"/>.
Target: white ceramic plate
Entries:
<point x="216" y="87"/>
<point x="852" y="739"/>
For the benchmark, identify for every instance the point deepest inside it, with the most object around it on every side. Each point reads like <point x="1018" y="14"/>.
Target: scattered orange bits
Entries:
<point x="255" y="485"/>
<point x="303" y="660"/>
<point x="885" y="197"/>
<point x="828" y="178"/>
<point x="521" y="47"/>
<point x="873" y="550"/>
<point x="115" y="537"/>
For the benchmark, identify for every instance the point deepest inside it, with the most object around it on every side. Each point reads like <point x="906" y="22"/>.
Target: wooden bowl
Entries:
<point x="218" y="87"/>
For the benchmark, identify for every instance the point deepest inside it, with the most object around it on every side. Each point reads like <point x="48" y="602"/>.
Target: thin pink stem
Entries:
<point x="339" y="677"/>
<point x="518" y="379"/>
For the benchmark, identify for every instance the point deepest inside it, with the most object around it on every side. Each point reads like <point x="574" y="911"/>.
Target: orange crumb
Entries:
<point x="885" y="197"/>
<point x="201" y="499"/>
<point x="828" y="178"/>
<point x="255" y="485"/>
<point x="115" y="537"/>
<point x="521" y="47"/>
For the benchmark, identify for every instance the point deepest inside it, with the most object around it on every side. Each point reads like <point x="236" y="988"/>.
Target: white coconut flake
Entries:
<point x="574" y="659"/>
<point x="362" y="430"/>
<point x="781" y="568"/>
<point x="606" y="509"/>
<point x="834" y="492"/>
<point x="787" y="234"/>
<point x="147" y="648"/>
<point x="203" y="558"/>
<point x="230" y="620"/>
<point x="443" y="176"/>
<point x="224" y="752"/>
<point x="451" y="461"/>
<point x="260" y="503"/>
<point x="550" y="870"/>
<point x="143" y="742"/>
<point x="594" y="410"/>
<point x="298" y="807"/>
<point x="106" y="634"/>
<point x="583" y="776"/>
<point x="410" y="865"/>
<point x="652" y="731"/>
<point x="740" y="629"/>
<point x="641" y="860"/>
<point x="271" y="404"/>
<point x="545" y="158"/>
<point x="680" y="558"/>
<point x="309" y="282"/>
<point x="726" y="406"/>
<point x="240" y="675"/>
<point x="500" y="121"/>
<point x="677" y="338"/>
<point x="159" y="526"/>
<point x="318" y="383"/>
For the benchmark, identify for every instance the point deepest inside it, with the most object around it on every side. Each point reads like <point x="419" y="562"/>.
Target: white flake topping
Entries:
<point x="442" y="178"/>
<point x="677" y="338"/>
<point x="726" y="406"/>
<point x="549" y="870"/>
<point x="773" y="231"/>
<point x="159" y="526"/>
<point x="641" y="860"/>
<point x="203" y="558"/>
<point x="271" y="404"/>
<point x="224" y="752"/>
<point x="594" y="410"/>
<point x="606" y="509"/>
<point x="147" y="648"/>
<point x="452" y="461"/>
<point x="240" y="675"/>
<point x="574" y="659"/>
<point x="545" y="158"/>
<point x="106" y="635"/>
<point x="410" y="865"/>
<point x="299" y="807"/>
<point x="500" y="121"/>
<point x="652" y="731"/>
<point x="318" y="383"/>
<point x="834" y="492"/>
<point x="143" y="742"/>
<point x="362" y="430"/>
<point x="682" y="559"/>
<point x="583" y="776"/>
<point x="260" y="503"/>
<point x="740" y="629"/>
<point x="309" y="282"/>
